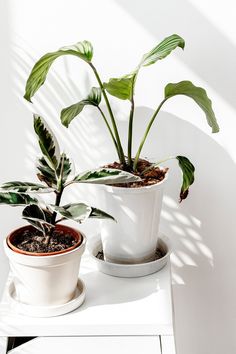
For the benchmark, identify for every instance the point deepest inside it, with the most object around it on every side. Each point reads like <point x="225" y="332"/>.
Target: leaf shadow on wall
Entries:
<point x="203" y="237"/>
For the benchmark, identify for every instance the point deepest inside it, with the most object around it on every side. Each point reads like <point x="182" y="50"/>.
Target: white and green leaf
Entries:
<point x="105" y="176"/>
<point x="199" y="95"/>
<point x="16" y="199"/>
<point x="24" y="187"/>
<point x="188" y="175"/>
<point x="100" y="214"/>
<point x="47" y="142"/>
<point x="37" y="217"/>
<point x="78" y="212"/>
<point x="37" y="77"/>
<point x="69" y="113"/>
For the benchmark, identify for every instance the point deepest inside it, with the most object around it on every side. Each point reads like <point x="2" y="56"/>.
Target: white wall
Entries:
<point x="202" y="228"/>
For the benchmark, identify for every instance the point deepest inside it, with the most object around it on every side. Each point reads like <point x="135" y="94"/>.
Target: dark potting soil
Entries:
<point x="149" y="177"/>
<point x="33" y="241"/>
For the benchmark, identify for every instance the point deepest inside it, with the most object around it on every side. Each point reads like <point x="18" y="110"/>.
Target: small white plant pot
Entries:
<point x="133" y="238"/>
<point x="45" y="279"/>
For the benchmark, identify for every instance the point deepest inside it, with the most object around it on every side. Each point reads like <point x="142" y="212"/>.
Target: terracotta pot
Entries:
<point x="45" y="279"/>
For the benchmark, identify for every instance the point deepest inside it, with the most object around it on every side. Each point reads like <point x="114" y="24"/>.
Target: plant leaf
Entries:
<point x="122" y="87"/>
<point x="23" y="187"/>
<point x="163" y="49"/>
<point x="69" y="113"/>
<point x="188" y="175"/>
<point x="37" y="77"/>
<point x="77" y="211"/>
<point x="100" y="214"/>
<point x="16" y="199"/>
<point x="38" y="217"/>
<point x="199" y="95"/>
<point x="47" y="142"/>
<point x="105" y="176"/>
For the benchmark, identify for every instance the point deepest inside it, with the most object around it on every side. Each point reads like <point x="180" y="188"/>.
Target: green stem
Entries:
<point x="109" y="128"/>
<point x="158" y="163"/>
<point x="119" y="146"/>
<point x="146" y="134"/>
<point x="130" y="133"/>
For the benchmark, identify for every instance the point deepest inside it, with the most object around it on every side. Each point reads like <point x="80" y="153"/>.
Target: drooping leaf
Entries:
<point x="69" y="113"/>
<point x="163" y="49"/>
<point x="100" y="214"/>
<point x="23" y="187"/>
<point x="37" y="77"/>
<point x="77" y="211"/>
<point x="47" y="142"/>
<point x="38" y="217"/>
<point x="122" y="87"/>
<point x="105" y="176"/>
<point x="188" y="175"/>
<point x="199" y="95"/>
<point x="16" y="199"/>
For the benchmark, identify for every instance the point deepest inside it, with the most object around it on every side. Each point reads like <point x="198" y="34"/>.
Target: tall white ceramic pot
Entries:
<point x="45" y="279"/>
<point x="133" y="238"/>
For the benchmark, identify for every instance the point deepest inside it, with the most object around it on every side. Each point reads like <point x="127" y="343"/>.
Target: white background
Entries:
<point x="202" y="228"/>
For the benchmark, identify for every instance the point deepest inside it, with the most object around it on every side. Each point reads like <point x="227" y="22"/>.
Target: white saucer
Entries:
<point x="47" y="311"/>
<point x="129" y="270"/>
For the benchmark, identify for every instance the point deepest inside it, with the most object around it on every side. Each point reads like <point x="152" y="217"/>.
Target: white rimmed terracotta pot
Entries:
<point x="133" y="239"/>
<point x="45" y="279"/>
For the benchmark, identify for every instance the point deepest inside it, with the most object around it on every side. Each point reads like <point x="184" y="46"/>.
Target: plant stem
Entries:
<point x="109" y="128"/>
<point x="119" y="146"/>
<point x="146" y="134"/>
<point x="130" y="133"/>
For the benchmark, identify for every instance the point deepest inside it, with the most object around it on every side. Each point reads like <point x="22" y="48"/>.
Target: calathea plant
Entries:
<point x="54" y="169"/>
<point x="124" y="89"/>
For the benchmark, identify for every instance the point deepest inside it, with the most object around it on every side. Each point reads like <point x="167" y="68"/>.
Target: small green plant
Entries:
<point x="124" y="89"/>
<point x="54" y="169"/>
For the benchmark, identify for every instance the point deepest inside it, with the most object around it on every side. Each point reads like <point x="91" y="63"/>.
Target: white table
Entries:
<point x="119" y="314"/>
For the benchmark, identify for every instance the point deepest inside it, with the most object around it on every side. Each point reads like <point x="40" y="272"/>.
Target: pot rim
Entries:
<point x="16" y="250"/>
<point x="142" y="189"/>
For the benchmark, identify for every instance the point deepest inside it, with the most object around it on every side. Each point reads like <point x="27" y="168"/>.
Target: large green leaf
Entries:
<point x="123" y="87"/>
<point x="77" y="211"/>
<point x="188" y="175"/>
<point x="37" y="77"/>
<point x="199" y="95"/>
<point x="23" y="187"/>
<point x="163" y="49"/>
<point x="69" y="113"/>
<point x="16" y="199"/>
<point x="105" y="176"/>
<point x="38" y="217"/>
<point x="47" y="142"/>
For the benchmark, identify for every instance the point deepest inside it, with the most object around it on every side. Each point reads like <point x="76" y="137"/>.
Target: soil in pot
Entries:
<point x="31" y="240"/>
<point x="149" y="176"/>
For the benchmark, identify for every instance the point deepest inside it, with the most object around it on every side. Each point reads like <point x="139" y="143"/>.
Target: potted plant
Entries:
<point x="45" y="255"/>
<point x="136" y="206"/>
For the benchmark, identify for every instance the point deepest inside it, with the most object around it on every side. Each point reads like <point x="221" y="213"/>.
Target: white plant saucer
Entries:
<point x="47" y="311"/>
<point x="129" y="270"/>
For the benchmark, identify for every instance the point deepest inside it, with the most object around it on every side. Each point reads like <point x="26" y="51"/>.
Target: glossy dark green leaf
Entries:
<point x="188" y="175"/>
<point x="23" y="187"/>
<point x="105" y="176"/>
<point x="47" y="142"/>
<point x="199" y="95"/>
<point x="69" y="113"/>
<point x="37" y="77"/>
<point x="16" y="199"/>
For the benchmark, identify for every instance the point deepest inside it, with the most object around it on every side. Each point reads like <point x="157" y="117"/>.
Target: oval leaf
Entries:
<point x="162" y="50"/>
<point x="78" y="212"/>
<point x="16" y="199"/>
<point x="106" y="176"/>
<point x="100" y="214"/>
<point x="22" y="187"/>
<point x="47" y="142"/>
<point x="37" y="77"/>
<point x="199" y="95"/>
<point x="69" y="113"/>
<point x="188" y="175"/>
<point x="122" y="87"/>
<point x="38" y="217"/>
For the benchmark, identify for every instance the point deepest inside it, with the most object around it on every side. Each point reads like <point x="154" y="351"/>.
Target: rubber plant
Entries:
<point x="123" y="88"/>
<point x="54" y="169"/>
